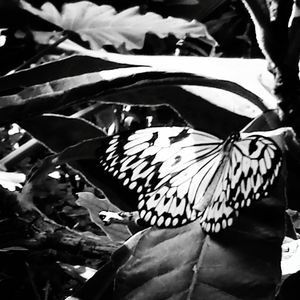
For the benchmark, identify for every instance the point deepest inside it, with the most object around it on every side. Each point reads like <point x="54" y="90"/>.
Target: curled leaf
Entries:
<point x="290" y="257"/>
<point x="94" y="205"/>
<point x="103" y="25"/>
<point x="11" y="180"/>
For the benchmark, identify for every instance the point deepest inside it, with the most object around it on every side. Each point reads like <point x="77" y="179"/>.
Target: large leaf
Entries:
<point x="184" y="263"/>
<point x="186" y="106"/>
<point x="102" y="25"/>
<point x="154" y="86"/>
<point x="251" y="74"/>
<point x="59" y="132"/>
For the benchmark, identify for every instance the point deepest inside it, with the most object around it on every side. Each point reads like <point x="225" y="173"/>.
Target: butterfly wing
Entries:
<point x="247" y="174"/>
<point x="165" y="168"/>
<point x="172" y="171"/>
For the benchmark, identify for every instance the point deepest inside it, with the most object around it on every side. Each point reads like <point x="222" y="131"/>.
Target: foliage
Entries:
<point x="102" y="25"/>
<point x="68" y="103"/>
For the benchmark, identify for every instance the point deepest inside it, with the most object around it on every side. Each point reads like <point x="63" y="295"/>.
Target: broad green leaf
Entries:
<point x="103" y="25"/>
<point x="184" y="263"/>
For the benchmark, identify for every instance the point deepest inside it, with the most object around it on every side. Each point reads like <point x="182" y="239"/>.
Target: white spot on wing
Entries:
<point x="153" y="220"/>
<point x="168" y="222"/>
<point x="148" y="216"/>
<point x="122" y="175"/>
<point x="142" y="213"/>
<point x="136" y="149"/>
<point x="132" y="185"/>
<point x="160" y="221"/>
<point x="141" y="204"/>
<point x="175" y="222"/>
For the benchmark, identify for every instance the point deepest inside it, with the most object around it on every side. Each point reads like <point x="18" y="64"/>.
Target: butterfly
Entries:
<point x="178" y="174"/>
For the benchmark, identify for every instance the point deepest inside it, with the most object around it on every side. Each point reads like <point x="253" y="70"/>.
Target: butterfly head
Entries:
<point x="234" y="137"/>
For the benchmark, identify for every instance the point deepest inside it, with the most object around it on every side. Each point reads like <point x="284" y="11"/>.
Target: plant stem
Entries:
<point x="34" y="287"/>
<point x="47" y="289"/>
<point x="41" y="53"/>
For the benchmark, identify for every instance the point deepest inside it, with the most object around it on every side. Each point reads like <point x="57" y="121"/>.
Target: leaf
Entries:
<point x="242" y="262"/>
<point x="65" y="67"/>
<point x="11" y="180"/>
<point x="83" y="271"/>
<point x="172" y="95"/>
<point x="131" y="82"/>
<point x="54" y="132"/>
<point x="13" y="248"/>
<point x="102" y="25"/>
<point x="59" y="132"/>
<point x="91" y="290"/>
<point x="290" y="257"/>
<point x="249" y="73"/>
<point x="116" y="232"/>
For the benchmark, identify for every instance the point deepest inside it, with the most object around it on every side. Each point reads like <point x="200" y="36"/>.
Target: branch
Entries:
<point x="33" y="230"/>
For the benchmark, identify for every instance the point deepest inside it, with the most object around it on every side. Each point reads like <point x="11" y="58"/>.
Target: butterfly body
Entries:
<point x="178" y="174"/>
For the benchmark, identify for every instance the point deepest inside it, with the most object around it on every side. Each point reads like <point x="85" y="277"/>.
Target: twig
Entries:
<point x="65" y="35"/>
<point x="34" y="287"/>
<point x="37" y="231"/>
<point x="47" y="288"/>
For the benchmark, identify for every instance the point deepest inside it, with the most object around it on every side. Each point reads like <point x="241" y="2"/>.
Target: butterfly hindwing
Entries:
<point x="249" y="173"/>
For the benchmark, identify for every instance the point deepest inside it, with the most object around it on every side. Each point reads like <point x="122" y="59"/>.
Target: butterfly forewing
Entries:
<point x="167" y="168"/>
<point x="178" y="174"/>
